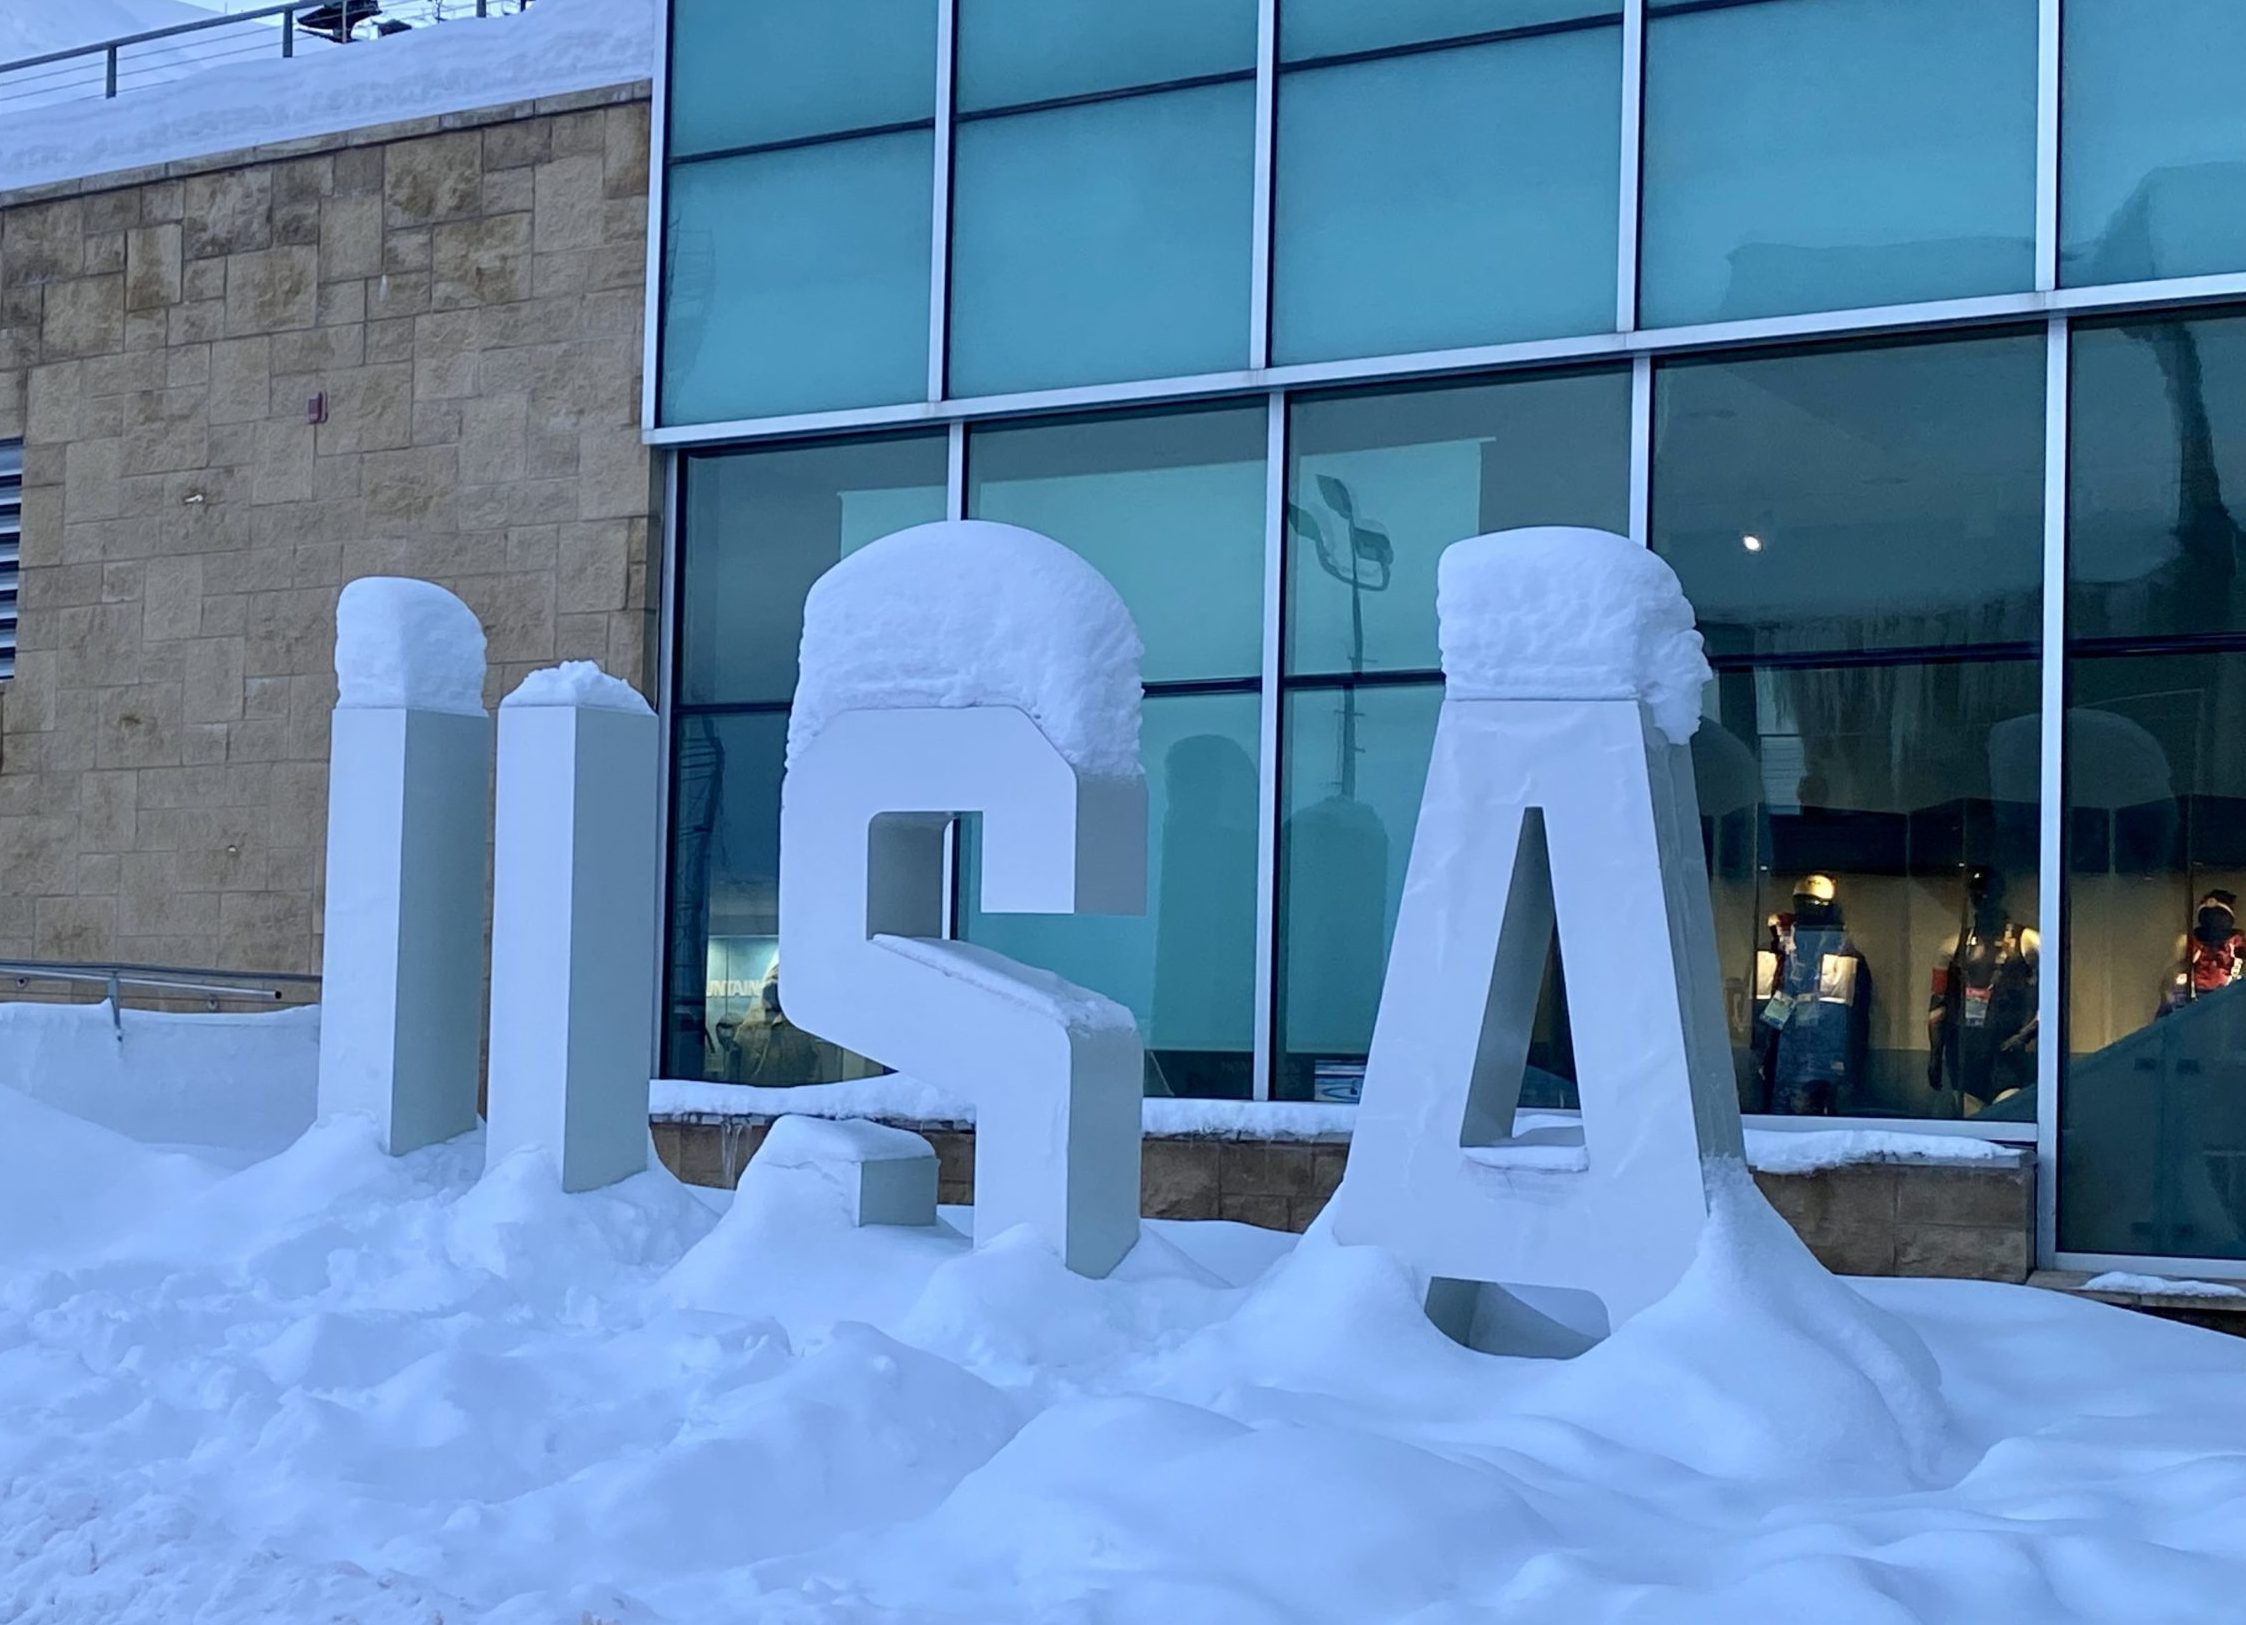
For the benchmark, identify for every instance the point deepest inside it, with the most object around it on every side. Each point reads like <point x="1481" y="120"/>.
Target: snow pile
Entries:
<point x="236" y="1085"/>
<point x="968" y="612"/>
<point x="1806" y="1151"/>
<point x="1559" y="613"/>
<point x="1059" y="1000"/>
<point x="406" y="643"/>
<point x="578" y="683"/>
<point x="2160" y="1286"/>
<point x="336" y="1385"/>
<point x="555" y="47"/>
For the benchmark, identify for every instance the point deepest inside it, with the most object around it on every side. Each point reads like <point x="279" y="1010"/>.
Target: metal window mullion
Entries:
<point x="1633" y="165"/>
<point x="2050" y="1046"/>
<point x="2047" y="97"/>
<point x="1269" y="746"/>
<point x="668" y="575"/>
<point x="939" y="234"/>
<point x="658" y="225"/>
<point x="1641" y="450"/>
<point x="955" y="471"/>
<point x="1266" y="182"/>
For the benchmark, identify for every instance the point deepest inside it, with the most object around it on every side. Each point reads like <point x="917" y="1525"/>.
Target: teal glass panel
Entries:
<point x="746" y="72"/>
<point x="2152" y="1108"/>
<point x="1186" y="968"/>
<point x="1318" y="28"/>
<point x="2156" y="474"/>
<point x="1015" y="51"/>
<point x="1379" y="484"/>
<point x="2152" y="176"/>
<point x="726" y="1020"/>
<point x="1449" y="198"/>
<point x="797" y="280"/>
<point x="760" y="527"/>
<point x="1355" y="766"/>
<point x="1104" y="242"/>
<point x="1885" y="497"/>
<point x="1833" y="154"/>
<point x="1168" y="506"/>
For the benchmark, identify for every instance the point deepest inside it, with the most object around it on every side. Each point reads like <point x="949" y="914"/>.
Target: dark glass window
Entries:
<point x="2153" y="1112"/>
<point x="1860" y="531"/>
<point x="759" y="528"/>
<point x="1378" y="484"/>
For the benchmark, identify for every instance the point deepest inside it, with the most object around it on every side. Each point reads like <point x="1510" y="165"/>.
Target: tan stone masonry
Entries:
<point x="467" y="296"/>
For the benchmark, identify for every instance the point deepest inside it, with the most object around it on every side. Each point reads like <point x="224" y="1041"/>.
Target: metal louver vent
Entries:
<point x="11" y="537"/>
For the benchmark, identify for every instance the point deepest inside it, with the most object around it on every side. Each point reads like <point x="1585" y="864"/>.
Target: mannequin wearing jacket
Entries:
<point x="1815" y="989"/>
<point x="1981" y="1010"/>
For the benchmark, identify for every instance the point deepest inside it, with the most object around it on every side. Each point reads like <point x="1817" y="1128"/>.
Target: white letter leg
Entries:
<point x="1054" y="1070"/>
<point x="401" y="978"/>
<point x="573" y="938"/>
<point x="1537" y="808"/>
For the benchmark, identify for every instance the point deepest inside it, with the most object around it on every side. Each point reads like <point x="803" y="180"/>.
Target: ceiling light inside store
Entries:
<point x="1752" y="544"/>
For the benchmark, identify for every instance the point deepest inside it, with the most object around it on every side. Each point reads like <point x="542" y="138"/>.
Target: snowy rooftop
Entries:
<point x="204" y="104"/>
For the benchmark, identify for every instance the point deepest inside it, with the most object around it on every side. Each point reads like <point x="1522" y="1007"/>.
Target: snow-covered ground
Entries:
<point x="334" y="1386"/>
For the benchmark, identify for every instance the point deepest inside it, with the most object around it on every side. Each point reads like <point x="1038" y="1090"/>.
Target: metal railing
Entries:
<point x="213" y="987"/>
<point x="107" y="68"/>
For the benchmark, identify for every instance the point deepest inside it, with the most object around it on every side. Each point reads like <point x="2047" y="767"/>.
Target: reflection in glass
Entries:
<point x="726" y="1016"/>
<point x="1167" y="505"/>
<point x="2153" y="1111"/>
<point x="1355" y="767"/>
<point x="1380" y="484"/>
<point x="1186" y="968"/>
<point x="1832" y="154"/>
<point x="1872" y="842"/>
<point x="760" y="526"/>
<point x="1448" y="198"/>
<point x="1100" y="242"/>
<point x="1015" y="51"/>
<point x="797" y="280"/>
<point x="1320" y="28"/>
<point x="2156" y="472"/>
<point x="2153" y="140"/>
<point x="1868" y="498"/>
<point x="741" y="75"/>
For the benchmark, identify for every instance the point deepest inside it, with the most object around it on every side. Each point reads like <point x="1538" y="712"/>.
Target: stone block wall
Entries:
<point x="1975" y="1222"/>
<point x="462" y="298"/>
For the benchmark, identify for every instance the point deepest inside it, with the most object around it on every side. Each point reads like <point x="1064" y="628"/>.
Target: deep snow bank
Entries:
<point x="340" y="1385"/>
<point x="239" y="1085"/>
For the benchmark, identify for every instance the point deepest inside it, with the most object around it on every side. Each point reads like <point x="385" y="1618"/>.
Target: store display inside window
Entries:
<point x="2212" y="956"/>
<point x="1981" y="1014"/>
<point x="1814" y="996"/>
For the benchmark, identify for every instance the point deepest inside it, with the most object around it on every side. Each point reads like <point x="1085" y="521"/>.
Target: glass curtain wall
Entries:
<point x="1104" y="199"/>
<point x="1378" y="484"/>
<point x="1170" y="507"/>
<point x="797" y="202"/>
<point x="758" y="528"/>
<point x="1860" y="531"/>
<point x="2153" y="1103"/>
<point x="1449" y="173"/>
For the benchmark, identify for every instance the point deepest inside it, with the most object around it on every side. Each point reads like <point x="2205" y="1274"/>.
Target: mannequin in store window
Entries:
<point x="1981" y="1013"/>
<point x="1814" y="992"/>
<point x="2213" y="954"/>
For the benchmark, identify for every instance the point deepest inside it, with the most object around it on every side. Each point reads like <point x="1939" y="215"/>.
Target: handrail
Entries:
<point x="287" y="11"/>
<point x="211" y="985"/>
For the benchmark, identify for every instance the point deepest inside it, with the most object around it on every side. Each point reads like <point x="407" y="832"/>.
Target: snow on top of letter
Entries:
<point x="966" y="612"/>
<point x="407" y="643"/>
<point x="1560" y="613"/>
<point x="578" y="683"/>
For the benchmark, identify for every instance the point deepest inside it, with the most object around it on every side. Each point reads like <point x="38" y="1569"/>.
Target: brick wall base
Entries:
<point x="1879" y="1219"/>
